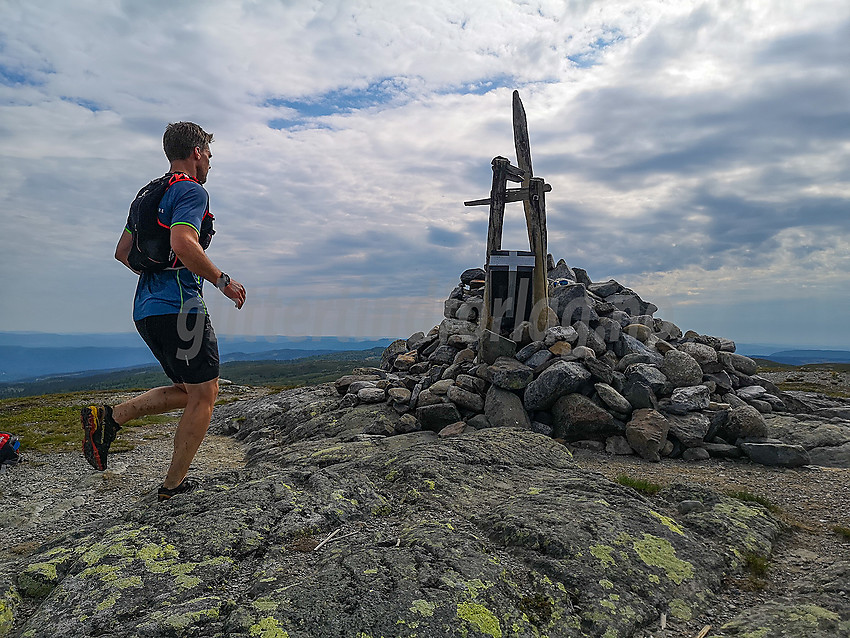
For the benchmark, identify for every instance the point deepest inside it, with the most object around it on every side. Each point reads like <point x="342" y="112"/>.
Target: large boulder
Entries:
<point x="689" y="429"/>
<point x="504" y="409"/>
<point x="646" y="432"/>
<point x="777" y="454"/>
<point x="562" y="377"/>
<point x="681" y="369"/>
<point x="578" y="418"/>
<point x="509" y="374"/>
<point x="744" y="422"/>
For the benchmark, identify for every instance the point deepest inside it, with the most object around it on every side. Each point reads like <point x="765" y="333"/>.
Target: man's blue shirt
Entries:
<point x="173" y="291"/>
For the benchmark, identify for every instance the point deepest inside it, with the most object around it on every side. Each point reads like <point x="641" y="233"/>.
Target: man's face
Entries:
<point x="203" y="164"/>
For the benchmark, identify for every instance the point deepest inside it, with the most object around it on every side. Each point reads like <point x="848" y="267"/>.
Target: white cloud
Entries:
<point x="684" y="142"/>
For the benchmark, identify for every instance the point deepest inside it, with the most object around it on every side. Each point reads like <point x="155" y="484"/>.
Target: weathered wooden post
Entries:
<point x="505" y="300"/>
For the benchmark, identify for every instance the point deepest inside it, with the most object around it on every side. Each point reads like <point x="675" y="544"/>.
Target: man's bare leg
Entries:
<point x="200" y="399"/>
<point x="154" y="401"/>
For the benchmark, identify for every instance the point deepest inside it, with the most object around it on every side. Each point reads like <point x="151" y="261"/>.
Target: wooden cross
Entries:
<point x="532" y="194"/>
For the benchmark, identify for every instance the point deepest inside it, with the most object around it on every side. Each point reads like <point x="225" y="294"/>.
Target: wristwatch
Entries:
<point x="223" y="281"/>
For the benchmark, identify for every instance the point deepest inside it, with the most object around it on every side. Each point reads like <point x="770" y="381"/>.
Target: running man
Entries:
<point x="170" y="314"/>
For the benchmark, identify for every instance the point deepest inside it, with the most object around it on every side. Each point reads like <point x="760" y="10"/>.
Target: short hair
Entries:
<point x="181" y="138"/>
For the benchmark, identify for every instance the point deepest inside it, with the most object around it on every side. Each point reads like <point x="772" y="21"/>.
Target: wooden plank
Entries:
<point x="538" y="239"/>
<point x="511" y="195"/>
<point x="494" y="227"/>
<point x="523" y="148"/>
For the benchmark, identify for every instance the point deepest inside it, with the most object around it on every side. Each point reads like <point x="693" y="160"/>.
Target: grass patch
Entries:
<point x="842" y="531"/>
<point x="806" y="386"/>
<point x="755" y="564"/>
<point x="754" y="498"/>
<point x="640" y="485"/>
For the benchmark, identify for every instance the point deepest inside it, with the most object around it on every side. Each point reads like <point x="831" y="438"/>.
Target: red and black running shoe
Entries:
<point x="99" y="431"/>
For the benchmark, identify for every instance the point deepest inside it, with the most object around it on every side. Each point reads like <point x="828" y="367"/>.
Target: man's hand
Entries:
<point x="235" y="291"/>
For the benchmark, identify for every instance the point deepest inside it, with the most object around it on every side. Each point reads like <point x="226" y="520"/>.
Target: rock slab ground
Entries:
<point x="327" y="531"/>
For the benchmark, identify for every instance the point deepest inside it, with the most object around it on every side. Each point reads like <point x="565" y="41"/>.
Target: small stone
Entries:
<point x="407" y="424"/>
<point x="539" y="358"/>
<point x="560" y="333"/>
<point x="560" y="349"/>
<point x="638" y="331"/>
<point x="440" y="387"/>
<point x="510" y="374"/>
<point x="372" y="395"/>
<point x="693" y="397"/>
<point x="612" y="398"/>
<point x="479" y="422"/>
<point x="695" y="454"/>
<point x="686" y="507"/>
<point x="349" y="401"/>
<point x="465" y="399"/>
<point x="581" y="352"/>
<point x="527" y="351"/>
<point x="399" y="395"/>
<point x="453" y="429"/>
<point x="436" y="417"/>
<point x="618" y="445"/>
<point x="405" y="361"/>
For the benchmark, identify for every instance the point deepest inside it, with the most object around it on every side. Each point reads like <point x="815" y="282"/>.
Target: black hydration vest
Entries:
<point x="151" y="247"/>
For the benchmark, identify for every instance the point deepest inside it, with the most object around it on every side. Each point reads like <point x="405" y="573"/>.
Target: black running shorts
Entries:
<point x="184" y="344"/>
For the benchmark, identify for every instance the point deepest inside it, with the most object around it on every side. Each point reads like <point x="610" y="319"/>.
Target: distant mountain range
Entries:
<point x="30" y="355"/>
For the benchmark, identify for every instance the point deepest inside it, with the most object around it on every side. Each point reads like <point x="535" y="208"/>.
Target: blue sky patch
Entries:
<point x="589" y="57"/>
<point x="16" y="77"/>
<point x="94" y="107"/>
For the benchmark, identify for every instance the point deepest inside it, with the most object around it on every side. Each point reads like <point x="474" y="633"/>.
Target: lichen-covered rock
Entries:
<point x="495" y="532"/>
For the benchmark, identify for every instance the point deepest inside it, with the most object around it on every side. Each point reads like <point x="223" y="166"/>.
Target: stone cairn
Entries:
<point x="608" y="376"/>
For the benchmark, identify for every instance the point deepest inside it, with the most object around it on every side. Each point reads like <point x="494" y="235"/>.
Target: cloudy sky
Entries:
<point x="698" y="152"/>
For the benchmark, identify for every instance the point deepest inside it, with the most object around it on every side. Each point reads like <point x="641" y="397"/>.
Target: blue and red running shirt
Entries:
<point x="173" y="291"/>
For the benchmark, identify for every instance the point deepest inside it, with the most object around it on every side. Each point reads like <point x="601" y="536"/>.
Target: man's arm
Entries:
<point x="122" y="250"/>
<point x="184" y="243"/>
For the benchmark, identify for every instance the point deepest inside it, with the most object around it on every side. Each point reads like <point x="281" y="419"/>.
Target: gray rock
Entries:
<point x="450" y="307"/>
<point x="560" y="333"/>
<point x="776" y="454"/>
<point x="510" y="374"/>
<point x="407" y="424"/>
<point x="541" y="428"/>
<point x="649" y="375"/>
<point x="491" y="346"/>
<point x="371" y="395"/>
<point x="504" y="409"/>
<point x="609" y="330"/>
<point x="630" y="302"/>
<point x="750" y="392"/>
<point x="681" y="369"/>
<point x="578" y="418"/>
<point x="399" y="395"/>
<point x="479" y="422"/>
<point x="527" y="351"/>
<point x="690" y="429"/>
<point x="589" y="338"/>
<point x="539" y="358"/>
<point x="831" y="456"/>
<point x="443" y="355"/>
<point x="618" y="446"/>
<point x="688" y="506"/>
<point x="561" y="378"/>
<point x="426" y="397"/>
<point x="356" y="386"/>
<point x="470" y="310"/>
<point x="627" y="345"/>
<point x="440" y="387"/>
<point x="465" y="399"/>
<point x="591" y="445"/>
<point x="561" y="271"/>
<point x="639" y="331"/>
<point x="721" y="379"/>
<point x="699" y="351"/>
<point x="583" y="352"/>
<point x="605" y="288"/>
<point x="743" y="364"/>
<point x="450" y="327"/>
<point x="571" y="303"/>
<point x="613" y="399"/>
<point x="666" y="330"/>
<point x="723" y="450"/>
<point x="600" y="370"/>
<point x="695" y="454"/>
<point x="397" y="347"/>
<point x="744" y="422"/>
<point x="436" y="417"/>
<point x="646" y="433"/>
<point x="462" y="341"/>
<point x="693" y="398"/>
<point x="473" y="384"/>
<point x="343" y="383"/>
<point x="639" y="394"/>
<point x="348" y="401"/>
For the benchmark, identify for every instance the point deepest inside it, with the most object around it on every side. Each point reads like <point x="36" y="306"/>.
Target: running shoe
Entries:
<point x="186" y="486"/>
<point x="99" y="431"/>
